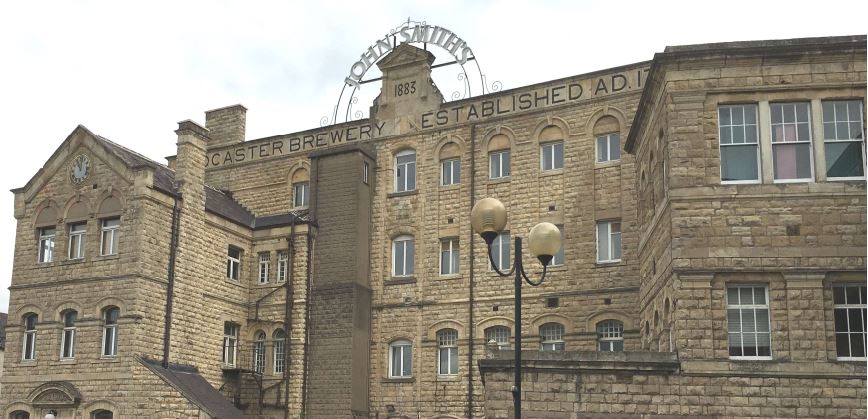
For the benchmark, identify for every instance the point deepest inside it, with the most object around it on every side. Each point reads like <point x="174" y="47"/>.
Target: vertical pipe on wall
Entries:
<point x="287" y="317"/>
<point x="170" y="277"/>
<point x="470" y="325"/>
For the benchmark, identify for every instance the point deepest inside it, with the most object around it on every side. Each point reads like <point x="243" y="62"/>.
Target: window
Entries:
<point x="110" y="331"/>
<point x="19" y="414"/>
<point x="400" y="359"/>
<point x="233" y="263"/>
<point x="282" y="262"/>
<point x="230" y="343"/>
<point x="498" y="164"/>
<point x="747" y="317"/>
<point x="279" y="351"/>
<point x="610" y="336"/>
<point x="500" y="251"/>
<point x="366" y="167"/>
<point x="608" y="147"/>
<point x="300" y="193"/>
<point x="791" y="141"/>
<point x="264" y="262"/>
<point x="844" y="139"/>
<point x="402" y="256"/>
<point x="102" y="414"/>
<point x="405" y="171"/>
<point x="552" y="337"/>
<point x="28" y="352"/>
<point x="558" y="258"/>
<point x="552" y="156"/>
<point x="739" y="144"/>
<point x="77" y="235"/>
<point x="450" y="172"/>
<point x="46" y="244"/>
<point x="499" y="335"/>
<point x="259" y="353"/>
<point x="108" y="243"/>
<point x="608" y="241"/>
<point x="449" y="256"/>
<point x="67" y="338"/>
<point x="850" y="308"/>
<point x="447" y="350"/>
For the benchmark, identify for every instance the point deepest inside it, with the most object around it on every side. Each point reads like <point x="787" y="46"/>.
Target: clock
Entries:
<point x="79" y="169"/>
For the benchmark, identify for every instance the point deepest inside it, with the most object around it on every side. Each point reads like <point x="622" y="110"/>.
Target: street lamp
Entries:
<point x="488" y="218"/>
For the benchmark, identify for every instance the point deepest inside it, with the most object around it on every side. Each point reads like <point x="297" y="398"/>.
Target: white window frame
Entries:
<point x="609" y="234"/>
<point x="67" y="336"/>
<point x="398" y="346"/>
<point x="230" y="344"/>
<point x="809" y="142"/>
<point x="610" y="332"/>
<point x="608" y="138"/>
<point x="233" y="264"/>
<point x="46" y="244"/>
<point x="558" y="258"/>
<point x="264" y="266"/>
<point x="259" y="352"/>
<point x="551" y="341"/>
<point x="29" y="337"/>
<point x="497" y="253"/>
<point x="834" y="121"/>
<point x="848" y="305"/>
<point x="547" y="155"/>
<point x="501" y="173"/>
<point x="407" y="265"/>
<point x="449" y="248"/>
<point x="447" y="346"/>
<point x="754" y="307"/>
<point x="77" y="240"/>
<point x="450" y="172"/>
<point x="109" y="334"/>
<point x="743" y="126"/>
<point x="496" y="333"/>
<point x="300" y="195"/>
<point x="279" y="345"/>
<point x="282" y="264"/>
<point x="402" y="184"/>
<point x="109" y="236"/>
<point x="366" y="168"/>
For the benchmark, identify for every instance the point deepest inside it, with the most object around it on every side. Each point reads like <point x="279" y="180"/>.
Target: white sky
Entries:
<point x="131" y="70"/>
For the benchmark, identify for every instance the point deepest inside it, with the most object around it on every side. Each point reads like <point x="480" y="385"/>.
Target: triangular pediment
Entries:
<point x="405" y="54"/>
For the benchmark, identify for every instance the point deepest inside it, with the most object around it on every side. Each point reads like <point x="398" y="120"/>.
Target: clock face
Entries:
<point x="79" y="169"/>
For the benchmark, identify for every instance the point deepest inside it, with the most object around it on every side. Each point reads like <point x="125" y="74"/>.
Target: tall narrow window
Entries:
<point x="608" y="241"/>
<point x="233" y="263"/>
<point x="608" y="147"/>
<point x="403" y="255"/>
<point x="230" y="343"/>
<point x="46" y="244"/>
<point x="739" y="144"/>
<point x="77" y="240"/>
<point x="791" y="141"/>
<point x="401" y="359"/>
<point x="282" y="265"/>
<point x="264" y="265"/>
<point x="405" y="171"/>
<point x="108" y="243"/>
<point x="300" y="194"/>
<point x="499" y="164"/>
<point x="110" y="331"/>
<point x="447" y="349"/>
<point x="259" y="352"/>
<point x="498" y="335"/>
<point x="748" y="323"/>
<point x="279" y="340"/>
<point x="552" y="156"/>
<point x="558" y="258"/>
<point x="610" y="336"/>
<point x="67" y="338"/>
<point x="450" y="172"/>
<point x="844" y="139"/>
<point x="500" y="251"/>
<point x="28" y="352"/>
<point x="449" y="256"/>
<point x="850" y="309"/>
<point x="366" y="168"/>
<point x="552" y="337"/>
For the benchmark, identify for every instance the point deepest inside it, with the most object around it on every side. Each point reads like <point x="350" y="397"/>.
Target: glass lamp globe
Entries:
<point x="488" y="218"/>
<point x="544" y="241"/>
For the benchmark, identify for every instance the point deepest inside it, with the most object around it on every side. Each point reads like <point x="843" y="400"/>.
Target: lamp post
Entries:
<point x="488" y="218"/>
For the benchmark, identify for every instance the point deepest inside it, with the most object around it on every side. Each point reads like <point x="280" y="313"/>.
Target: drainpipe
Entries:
<point x="311" y="224"/>
<point x="471" y="301"/>
<point x="170" y="287"/>
<point x="287" y="318"/>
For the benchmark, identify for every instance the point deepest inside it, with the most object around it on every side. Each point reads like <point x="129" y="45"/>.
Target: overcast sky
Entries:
<point x="130" y="71"/>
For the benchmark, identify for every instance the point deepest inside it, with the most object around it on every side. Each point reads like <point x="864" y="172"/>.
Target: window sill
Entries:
<point x="785" y="181"/>
<point x="71" y="261"/>
<point x="45" y="264"/>
<point x="605" y="164"/>
<point x="846" y="179"/>
<point x="400" y="194"/>
<point x="854" y="359"/>
<point x="552" y="172"/>
<point x="740" y="182"/>
<point x="556" y="268"/>
<point x="108" y="257"/>
<point x="448" y="377"/>
<point x="449" y="276"/>
<point x="398" y="380"/>
<point x="749" y="359"/>
<point x="28" y="363"/>
<point x="608" y="263"/>
<point x="504" y="179"/>
<point x="400" y="280"/>
<point x="451" y="187"/>
<point x="105" y="358"/>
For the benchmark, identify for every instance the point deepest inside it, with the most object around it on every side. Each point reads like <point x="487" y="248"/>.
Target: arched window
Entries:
<point x="551" y="149"/>
<point x="450" y="164"/>
<point x="67" y="339"/>
<point x="28" y="352"/>
<point x="300" y="188"/>
<point x="607" y="129"/>
<point x="499" y="165"/>
<point x="46" y="227"/>
<point x="110" y="222"/>
<point x="405" y="171"/>
<point x="102" y="414"/>
<point x="19" y="414"/>
<point x="552" y="337"/>
<point x="447" y="351"/>
<point x="279" y="339"/>
<point x="401" y="359"/>
<point x="403" y="256"/>
<point x="610" y="336"/>
<point x="499" y="335"/>
<point x="110" y="331"/>
<point x="259" y="352"/>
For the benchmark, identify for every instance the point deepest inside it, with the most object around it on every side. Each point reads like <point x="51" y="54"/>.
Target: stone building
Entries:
<point x="711" y="203"/>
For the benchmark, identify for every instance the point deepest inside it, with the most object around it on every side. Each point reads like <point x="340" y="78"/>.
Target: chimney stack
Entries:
<point x="226" y="125"/>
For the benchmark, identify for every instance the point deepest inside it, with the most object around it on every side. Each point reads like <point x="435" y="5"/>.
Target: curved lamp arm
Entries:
<point x="512" y="270"/>
<point x="535" y="284"/>
<point x="494" y="265"/>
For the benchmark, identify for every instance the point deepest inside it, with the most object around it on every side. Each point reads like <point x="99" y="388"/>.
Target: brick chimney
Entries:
<point x="226" y="125"/>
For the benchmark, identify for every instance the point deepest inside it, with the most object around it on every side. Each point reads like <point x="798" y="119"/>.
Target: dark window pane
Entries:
<point x="723" y="114"/>
<point x="828" y="112"/>
<point x="840" y="319"/>
<point x="750" y="134"/>
<point x="792" y="161"/>
<point x="726" y="135"/>
<point x="855" y="317"/>
<point x="841" y="111"/>
<point x="738" y="115"/>
<point x="829" y="131"/>
<point x="749" y="350"/>
<point x="789" y="113"/>
<point x="854" y="108"/>
<point x="764" y="351"/>
<point x="615" y="147"/>
<point x="838" y="295"/>
<point x="777" y="114"/>
<point x="738" y="135"/>
<point x="842" y="343"/>
<point x="857" y="345"/>
<point x="802" y="112"/>
<point x="750" y="114"/>
<point x="852" y="295"/>
<point x="844" y="159"/>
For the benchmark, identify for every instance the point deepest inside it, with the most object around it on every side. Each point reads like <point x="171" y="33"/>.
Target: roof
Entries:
<point x="187" y="381"/>
<point x="3" y="319"/>
<point x="164" y="177"/>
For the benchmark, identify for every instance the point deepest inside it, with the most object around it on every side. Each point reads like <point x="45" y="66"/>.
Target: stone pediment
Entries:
<point x="55" y="393"/>
<point x="405" y="54"/>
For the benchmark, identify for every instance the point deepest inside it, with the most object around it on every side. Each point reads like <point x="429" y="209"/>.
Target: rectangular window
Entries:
<point x="77" y="240"/>
<point x="403" y="256"/>
<point x="401" y="359"/>
<point x="608" y="147"/>
<point x="449" y="256"/>
<point x="300" y="194"/>
<point x="282" y="262"/>
<point x="791" y="141"/>
<point x="844" y="139"/>
<point x="748" y="323"/>
<point x="500" y="251"/>
<point x="233" y="263"/>
<point x="264" y="264"/>
<point x="850" y="310"/>
<point x="46" y="244"/>
<point x="279" y="353"/>
<point x="28" y="351"/>
<point x="230" y="343"/>
<point x="366" y="167"/>
<point x="498" y="164"/>
<point x="608" y="241"/>
<point x="552" y="156"/>
<point x="448" y="352"/>
<point x="451" y="172"/>
<point x="558" y="258"/>
<point x="405" y="171"/>
<point x="739" y="144"/>
<point x="108" y="243"/>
